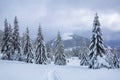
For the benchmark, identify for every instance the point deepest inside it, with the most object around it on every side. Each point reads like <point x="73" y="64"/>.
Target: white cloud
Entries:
<point x="111" y="21"/>
<point x="82" y="19"/>
<point x="57" y="16"/>
<point x="70" y="19"/>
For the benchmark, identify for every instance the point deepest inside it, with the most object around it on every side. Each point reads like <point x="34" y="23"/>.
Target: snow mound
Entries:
<point x="102" y="61"/>
<point x="67" y="36"/>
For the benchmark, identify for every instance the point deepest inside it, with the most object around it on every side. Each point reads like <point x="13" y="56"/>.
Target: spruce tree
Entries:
<point x="76" y="52"/>
<point x="59" y="54"/>
<point x="112" y="57"/>
<point x="23" y="40"/>
<point x="16" y="42"/>
<point x="10" y="44"/>
<point x="96" y="46"/>
<point x="116" y="58"/>
<point x="5" y="42"/>
<point x="28" y="53"/>
<point x="84" y="54"/>
<point x="40" y="53"/>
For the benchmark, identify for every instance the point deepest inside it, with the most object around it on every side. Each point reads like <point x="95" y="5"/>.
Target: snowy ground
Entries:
<point x="11" y="70"/>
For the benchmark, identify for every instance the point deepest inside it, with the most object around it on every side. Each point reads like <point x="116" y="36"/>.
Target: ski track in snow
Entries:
<point x="14" y="70"/>
<point x="52" y="75"/>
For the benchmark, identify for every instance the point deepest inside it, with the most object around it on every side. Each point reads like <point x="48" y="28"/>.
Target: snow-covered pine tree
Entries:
<point x="10" y="44"/>
<point x="59" y="54"/>
<point x="116" y="58"/>
<point x="28" y="53"/>
<point x="96" y="46"/>
<point x="84" y="54"/>
<point x="23" y="40"/>
<point x="16" y="42"/>
<point x="112" y="57"/>
<point x="76" y="52"/>
<point x="5" y="42"/>
<point x="40" y="53"/>
<point x="109" y="56"/>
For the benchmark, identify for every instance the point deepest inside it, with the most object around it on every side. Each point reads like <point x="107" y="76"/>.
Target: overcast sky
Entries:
<point x="63" y="15"/>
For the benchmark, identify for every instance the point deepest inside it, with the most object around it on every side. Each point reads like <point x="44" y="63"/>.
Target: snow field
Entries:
<point x="13" y="70"/>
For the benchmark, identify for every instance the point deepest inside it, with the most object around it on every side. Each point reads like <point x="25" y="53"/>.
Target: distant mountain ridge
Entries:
<point x="70" y="40"/>
<point x="111" y="38"/>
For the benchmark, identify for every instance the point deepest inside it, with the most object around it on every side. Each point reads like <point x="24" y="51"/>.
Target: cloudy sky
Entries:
<point x="63" y="15"/>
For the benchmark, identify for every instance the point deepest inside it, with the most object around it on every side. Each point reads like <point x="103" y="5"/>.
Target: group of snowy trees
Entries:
<point x="15" y="48"/>
<point x="95" y="56"/>
<point x="98" y="56"/>
<point x="11" y="42"/>
<point x="112" y="57"/>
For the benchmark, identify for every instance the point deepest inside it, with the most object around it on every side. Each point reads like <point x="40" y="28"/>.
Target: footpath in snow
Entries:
<point x="52" y="75"/>
<point x="13" y="70"/>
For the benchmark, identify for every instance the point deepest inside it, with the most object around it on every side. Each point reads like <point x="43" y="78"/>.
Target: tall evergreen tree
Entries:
<point x="23" y="40"/>
<point x="10" y="48"/>
<point x="116" y="58"/>
<point x="109" y="56"/>
<point x="5" y="42"/>
<point x="112" y="57"/>
<point x="40" y="53"/>
<point x="76" y="52"/>
<point x="6" y="49"/>
<point x="59" y="54"/>
<point x="16" y="41"/>
<point x="96" y="46"/>
<point x="84" y="54"/>
<point x="28" y="48"/>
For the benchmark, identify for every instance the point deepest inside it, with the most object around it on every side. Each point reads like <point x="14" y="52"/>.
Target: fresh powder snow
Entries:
<point x="15" y="70"/>
<point x="52" y="75"/>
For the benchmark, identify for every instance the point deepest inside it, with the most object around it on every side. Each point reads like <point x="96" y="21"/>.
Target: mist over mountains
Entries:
<point x="70" y="40"/>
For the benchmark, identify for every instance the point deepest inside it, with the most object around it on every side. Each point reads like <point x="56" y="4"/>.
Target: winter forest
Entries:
<point x="95" y="56"/>
<point x="65" y="56"/>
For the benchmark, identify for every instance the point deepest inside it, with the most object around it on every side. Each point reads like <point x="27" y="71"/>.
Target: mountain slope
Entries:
<point x="111" y="38"/>
<point x="70" y="40"/>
